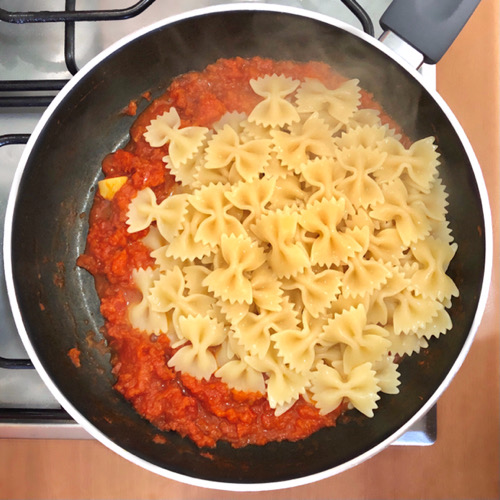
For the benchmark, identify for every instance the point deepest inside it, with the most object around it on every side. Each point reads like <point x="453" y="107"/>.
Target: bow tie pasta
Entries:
<point x="312" y="236"/>
<point x="302" y="253"/>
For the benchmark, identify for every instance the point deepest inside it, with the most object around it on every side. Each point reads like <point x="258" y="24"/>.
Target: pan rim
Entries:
<point x="68" y="406"/>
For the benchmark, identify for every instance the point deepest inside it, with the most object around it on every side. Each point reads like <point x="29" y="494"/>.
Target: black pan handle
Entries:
<point x="429" y="26"/>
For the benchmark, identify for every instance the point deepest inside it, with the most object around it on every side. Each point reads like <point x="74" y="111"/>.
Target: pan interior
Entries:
<point x="57" y="299"/>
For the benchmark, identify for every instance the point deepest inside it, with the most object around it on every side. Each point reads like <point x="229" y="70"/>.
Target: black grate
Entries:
<point x="20" y="92"/>
<point x="71" y="14"/>
<point x="26" y="415"/>
<point x="9" y="363"/>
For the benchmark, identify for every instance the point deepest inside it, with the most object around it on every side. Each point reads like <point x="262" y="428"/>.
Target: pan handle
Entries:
<point x="429" y="26"/>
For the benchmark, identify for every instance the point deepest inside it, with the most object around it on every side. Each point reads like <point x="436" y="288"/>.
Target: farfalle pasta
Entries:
<point x="309" y="241"/>
<point x="183" y="143"/>
<point x="274" y="110"/>
<point x="338" y="104"/>
<point x="302" y="252"/>
<point x="230" y="281"/>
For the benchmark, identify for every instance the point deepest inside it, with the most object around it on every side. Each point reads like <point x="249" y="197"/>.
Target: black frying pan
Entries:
<point x="54" y="301"/>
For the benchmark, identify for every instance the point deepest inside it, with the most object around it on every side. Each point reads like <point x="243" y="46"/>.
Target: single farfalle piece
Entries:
<point x="413" y="312"/>
<point x="195" y="357"/>
<point x="386" y="245"/>
<point x="283" y="384"/>
<point x="226" y="150"/>
<point x="321" y="176"/>
<point x="387" y="375"/>
<point x="358" y="184"/>
<point x="431" y="280"/>
<point x="409" y="217"/>
<point x="297" y="346"/>
<point x="211" y="202"/>
<point x="239" y="375"/>
<point x="419" y="162"/>
<point x="252" y="197"/>
<point x="141" y="315"/>
<point x="439" y="325"/>
<point x="186" y="172"/>
<point x="382" y="299"/>
<point x="288" y="192"/>
<point x="266" y="289"/>
<point x="407" y="344"/>
<point x="141" y="210"/>
<point x="287" y="256"/>
<point x="169" y="294"/>
<point x="168" y="290"/>
<point x="274" y="110"/>
<point x="304" y="141"/>
<point x="318" y="290"/>
<point x="340" y="103"/>
<point x="183" y="142"/>
<point x="169" y="214"/>
<point x="434" y="203"/>
<point x="241" y="256"/>
<point x="364" y="275"/>
<point x="363" y="342"/>
<point x="254" y="330"/>
<point x="359" y="387"/>
<point x="184" y="247"/>
<point x="329" y="245"/>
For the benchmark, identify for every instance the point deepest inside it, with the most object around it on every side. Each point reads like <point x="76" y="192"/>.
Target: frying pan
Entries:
<point x="55" y="304"/>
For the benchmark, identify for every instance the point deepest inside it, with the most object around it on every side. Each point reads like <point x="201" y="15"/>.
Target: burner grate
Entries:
<point x="17" y="89"/>
<point x="26" y="415"/>
<point x="70" y="14"/>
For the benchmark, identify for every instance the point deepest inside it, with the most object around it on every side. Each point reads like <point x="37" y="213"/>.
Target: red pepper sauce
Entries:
<point x="206" y="411"/>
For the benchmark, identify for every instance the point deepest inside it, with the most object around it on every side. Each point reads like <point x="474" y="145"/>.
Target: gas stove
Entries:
<point x="42" y="47"/>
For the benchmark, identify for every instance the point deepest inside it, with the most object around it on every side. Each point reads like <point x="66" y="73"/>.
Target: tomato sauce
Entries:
<point x="74" y="355"/>
<point x="205" y="411"/>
